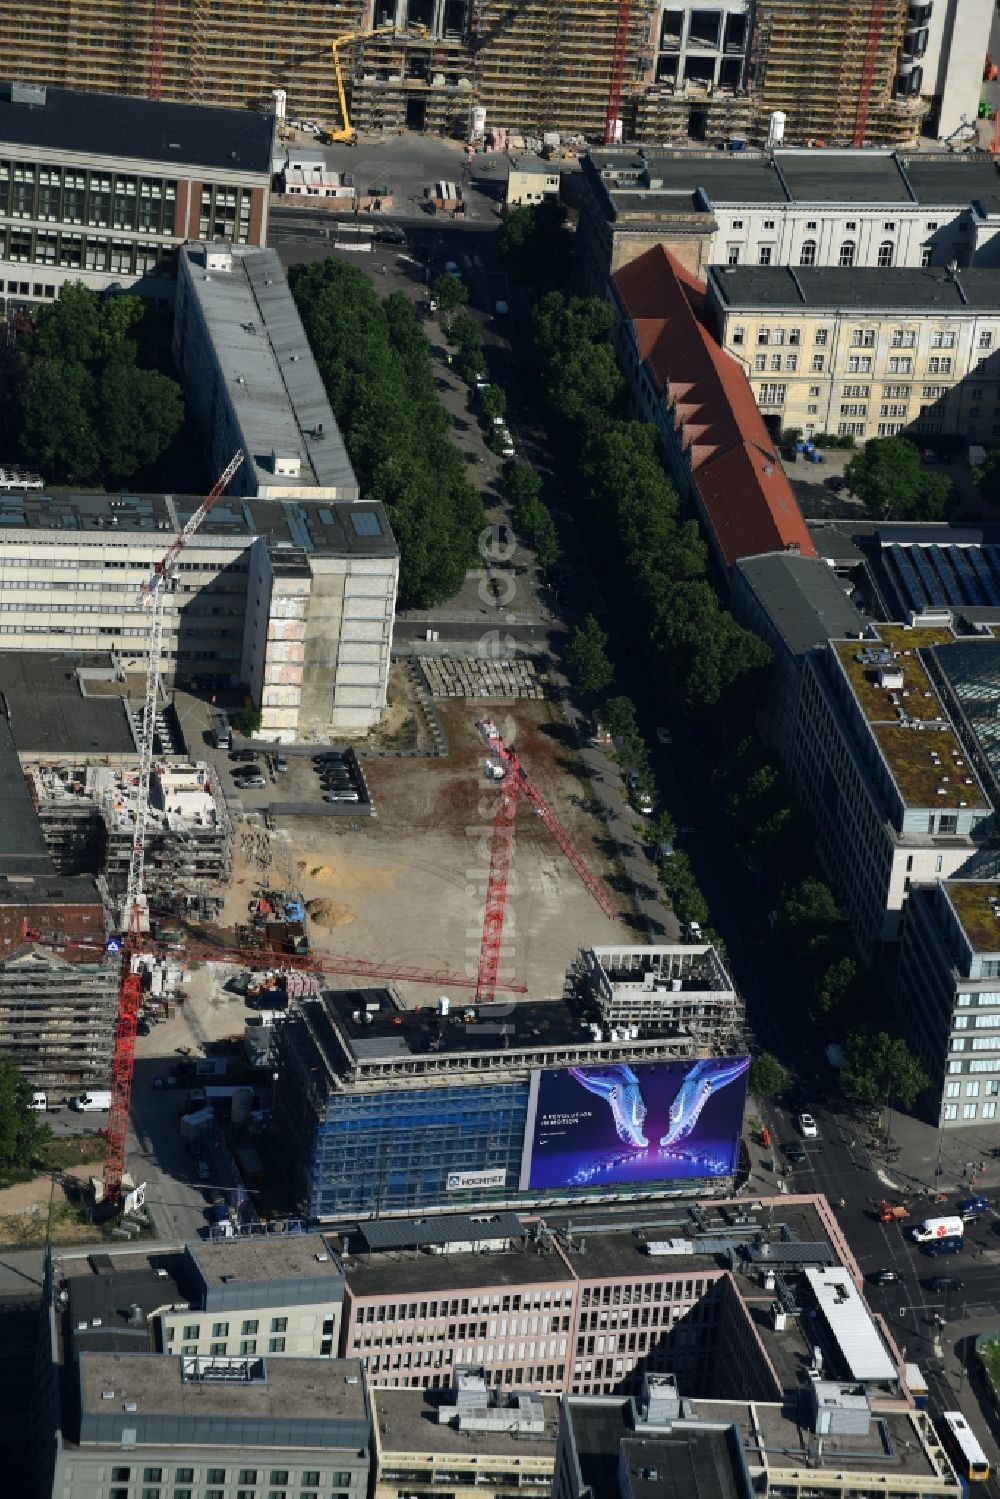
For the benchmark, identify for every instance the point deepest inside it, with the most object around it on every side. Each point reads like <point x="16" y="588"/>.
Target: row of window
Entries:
<point x="861" y="338"/>
<point x="78" y="252"/>
<point x="846" y="254"/>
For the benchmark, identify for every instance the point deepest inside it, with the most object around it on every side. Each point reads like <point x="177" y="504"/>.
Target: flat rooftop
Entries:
<point x="783" y="1434"/>
<point x="96" y="125"/>
<point x="930" y="768"/>
<point x="272" y="381"/>
<point x="803" y="598"/>
<point x="296" y="1402"/>
<point x="683" y="1463"/>
<point x="23" y="852"/>
<point x="835" y="289"/>
<point x="975" y="904"/>
<point x="610" y="1250"/>
<point x="274" y="1257"/>
<point x="335" y="528"/>
<point x="971" y="668"/>
<point x="408" y="1423"/>
<point x="52" y="711"/>
<point x="662" y="181"/>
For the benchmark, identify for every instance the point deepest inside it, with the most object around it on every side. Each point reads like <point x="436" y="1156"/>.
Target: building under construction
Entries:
<point x="669" y="70"/>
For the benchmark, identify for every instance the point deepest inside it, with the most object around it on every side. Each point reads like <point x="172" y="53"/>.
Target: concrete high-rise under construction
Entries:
<point x="859" y="71"/>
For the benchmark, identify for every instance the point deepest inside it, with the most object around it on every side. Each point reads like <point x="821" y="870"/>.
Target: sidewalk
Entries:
<point x="935" y="1160"/>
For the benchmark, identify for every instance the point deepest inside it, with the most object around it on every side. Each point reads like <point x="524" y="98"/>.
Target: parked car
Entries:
<point x="664" y="735"/>
<point x="808" y="1126"/>
<point x="254" y="782"/>
<point x="248" y="757"/>
<point x="341" y="796"/>
<point x="795" y="1153"/>
<point x="281" y="763"/>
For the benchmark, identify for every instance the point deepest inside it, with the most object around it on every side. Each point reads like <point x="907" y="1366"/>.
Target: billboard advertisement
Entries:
<point x="612" y="1124"/>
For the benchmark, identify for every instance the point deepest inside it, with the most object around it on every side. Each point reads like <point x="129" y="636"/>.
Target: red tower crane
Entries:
<point x="517" y="780"/>
<point x="612" y="118"/>
<point x="868" y="72"/>
<point x="156" y="49"/>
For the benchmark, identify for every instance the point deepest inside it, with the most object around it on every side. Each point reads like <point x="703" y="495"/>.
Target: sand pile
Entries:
<point x="330" y="913"/>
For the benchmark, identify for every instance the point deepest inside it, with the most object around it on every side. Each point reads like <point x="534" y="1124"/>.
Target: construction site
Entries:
<point x="602" y="69"/>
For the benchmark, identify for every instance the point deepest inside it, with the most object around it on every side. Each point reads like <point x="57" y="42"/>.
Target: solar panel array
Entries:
<point x="929" y="576"/>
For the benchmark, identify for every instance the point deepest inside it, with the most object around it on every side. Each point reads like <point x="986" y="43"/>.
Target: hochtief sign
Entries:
<point x="459" y="1181"/>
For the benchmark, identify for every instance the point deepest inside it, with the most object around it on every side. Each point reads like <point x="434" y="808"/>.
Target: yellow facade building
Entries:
<point x="866" y="352"/>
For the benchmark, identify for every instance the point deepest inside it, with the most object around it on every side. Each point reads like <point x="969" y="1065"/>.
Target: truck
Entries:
<point x="251" y="1167"/>
<point x="196" y="1125"/>
<point x="96" y="1101"/>
<point x="938" y="1228"/>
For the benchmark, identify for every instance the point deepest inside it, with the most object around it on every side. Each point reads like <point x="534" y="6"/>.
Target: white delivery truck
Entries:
<point x="938" y="1228"/>
<point x="95" y="1102"/>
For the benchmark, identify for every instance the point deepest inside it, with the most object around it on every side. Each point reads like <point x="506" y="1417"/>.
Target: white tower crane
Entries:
<point x="154" y="594"/>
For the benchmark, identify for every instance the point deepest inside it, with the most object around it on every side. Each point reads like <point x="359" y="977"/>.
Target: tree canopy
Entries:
<point x="22" y="1130"/>
<point x="767" y="1076"/>
<point x="88" y="410"/>
<point x="375" y="361"/>
<point x="536" y="246"/>
<point x="889" y="477"/>
<point x="450" y="292"/>
<point x="880" y="1068"/>
<point x="587" y="654"/>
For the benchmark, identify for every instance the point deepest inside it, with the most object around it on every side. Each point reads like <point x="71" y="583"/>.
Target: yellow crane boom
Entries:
<point x="347" y="131"/>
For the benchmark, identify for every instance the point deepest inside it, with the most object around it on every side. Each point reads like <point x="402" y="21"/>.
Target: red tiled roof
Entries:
<point x="743" y="488"/>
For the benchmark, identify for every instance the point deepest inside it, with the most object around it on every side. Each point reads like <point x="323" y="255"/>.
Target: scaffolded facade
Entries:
<point x="691" y="72"/>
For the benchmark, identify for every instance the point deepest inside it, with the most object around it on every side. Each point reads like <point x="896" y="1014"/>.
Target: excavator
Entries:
<point x="347" y="134"/>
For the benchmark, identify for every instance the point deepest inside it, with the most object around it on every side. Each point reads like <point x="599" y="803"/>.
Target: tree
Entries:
<point x="987" y="476"/>
<point x="247" y="721"/>
<point x="88" y="409"/>
<point x="521" y="483"/>
<point x="891" y="480"/>
<point x="536" y="246"/>
<point x="545" y="540"/>
<point x="375" y="361"/>
<point x="679" y="885"/>
<point x="587" y="654"/>
<point x="880" y="1068"/>
<point x="767" y="1076"/>
<point x="449" y="292"/>
<point x="21" y="1129"/>
<point x="492" y="401"/>
<point x="138" y="414"/>
<point x="619" y="718"/>
<point x="463" y="331"/>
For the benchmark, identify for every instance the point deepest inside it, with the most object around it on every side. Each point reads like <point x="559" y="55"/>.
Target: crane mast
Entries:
<point x="130" y="985"/>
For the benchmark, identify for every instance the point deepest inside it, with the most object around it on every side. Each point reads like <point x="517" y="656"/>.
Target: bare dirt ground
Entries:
<point x="407" y="886"/>
<point x="24" y="1212"/>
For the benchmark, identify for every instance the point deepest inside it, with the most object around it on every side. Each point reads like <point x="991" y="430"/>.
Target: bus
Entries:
<point x="969" y="1458"/>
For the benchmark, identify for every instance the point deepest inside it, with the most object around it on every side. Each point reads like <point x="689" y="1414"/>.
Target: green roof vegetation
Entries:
<point x="970" y="901"/>
<point x="988" y="1350"/>
<point x="929" y="765"/>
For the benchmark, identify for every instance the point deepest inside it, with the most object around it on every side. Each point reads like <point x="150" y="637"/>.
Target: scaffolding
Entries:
<point x="534" y="65"/>
<point x="57" y="1019"/>
<point x="818" y="61"/>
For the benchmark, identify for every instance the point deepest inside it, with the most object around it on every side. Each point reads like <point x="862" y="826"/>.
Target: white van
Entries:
<point x="939" y="1228"/>
<point x="40" y="1102"/>
<point x="96" y="1102"/>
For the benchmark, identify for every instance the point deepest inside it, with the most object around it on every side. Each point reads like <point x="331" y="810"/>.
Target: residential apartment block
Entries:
<point x="717" y="449"/>
<point x="790" y="206"/>
<point x="948" y="996"/>
<point x="897" y="795"/>
<point x="865" y="353"/>
<point x="102" y="189"/>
